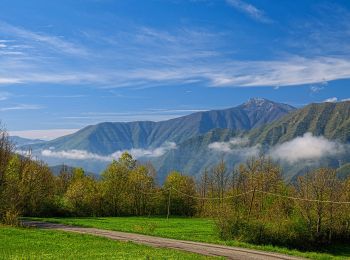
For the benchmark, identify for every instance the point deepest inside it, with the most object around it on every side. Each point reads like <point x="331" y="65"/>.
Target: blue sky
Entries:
<point x="67" y="64"/>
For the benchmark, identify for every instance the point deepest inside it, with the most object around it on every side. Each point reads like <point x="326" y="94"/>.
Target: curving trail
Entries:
<point x="194" y="247"/>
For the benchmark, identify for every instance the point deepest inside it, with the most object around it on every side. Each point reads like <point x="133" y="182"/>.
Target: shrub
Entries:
<point x="11" y="218"/>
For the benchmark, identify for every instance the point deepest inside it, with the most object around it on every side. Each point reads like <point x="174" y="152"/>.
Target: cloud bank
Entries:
<point x="85" y="155"/>
<point x="238" y="146"/>
<point x="307" y="147"/>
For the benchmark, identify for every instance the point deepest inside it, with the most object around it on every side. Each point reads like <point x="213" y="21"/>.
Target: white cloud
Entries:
<point x="331" y="100"/>
<point x="291" y="71"/>
<point x="21" y="107"/>
<point x="183" y="57"/>
<point x="249" y="10"/>
<point x="316" y="89"/>
<point x="238" y="146"/>
<point x="157" y="152"/>
<point x="84" y="155"/>
<point x="228" y="147"/>
<point x="74" y="155"/>
<point x="288" y="72"/>
<point x="307" y="147"/>
<point x="57" y="43"/>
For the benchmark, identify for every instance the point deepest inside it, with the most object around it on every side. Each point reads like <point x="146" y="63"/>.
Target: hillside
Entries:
<point x="193" y="156"/>
<point x="331" y="120"/>
<point x="107" y="138"/>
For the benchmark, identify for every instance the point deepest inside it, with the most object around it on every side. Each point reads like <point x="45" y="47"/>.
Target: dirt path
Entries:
<point x="194" y="247"/>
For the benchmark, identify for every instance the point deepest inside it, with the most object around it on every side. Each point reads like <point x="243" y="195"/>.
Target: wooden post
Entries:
<point x="168" y="213"/>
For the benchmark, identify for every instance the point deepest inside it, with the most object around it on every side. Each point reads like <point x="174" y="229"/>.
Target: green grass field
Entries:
<point x="26" y="243"/>
<point x="195" y="229"/>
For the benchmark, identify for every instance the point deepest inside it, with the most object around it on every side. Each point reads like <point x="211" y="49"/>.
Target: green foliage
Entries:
<point x="82" y="197"/>
<point x="127" y="161"/>
<point x="265" y="214"/>
<point x="182" y="190"/>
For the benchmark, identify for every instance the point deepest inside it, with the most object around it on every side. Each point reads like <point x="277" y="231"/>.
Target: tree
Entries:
<point x="141" y="189"/>
<point x="219" y="180"/>
<point x="324" y="220"/>
<point x="115" y="186"/>
<point x="182" y="191"/>
<point x="126" y="160"/>
<point x="83" y="196"/>
<point x="6" y="150"/>
<point x="36" y="189"/>
<point x="10" y="205"/>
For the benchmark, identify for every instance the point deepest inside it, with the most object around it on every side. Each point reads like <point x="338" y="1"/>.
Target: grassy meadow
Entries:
<point x="195" y="229"/>
<point x="28" y="243"/>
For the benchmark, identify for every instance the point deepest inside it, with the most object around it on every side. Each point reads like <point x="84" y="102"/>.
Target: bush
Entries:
<point x="11" y="218"/>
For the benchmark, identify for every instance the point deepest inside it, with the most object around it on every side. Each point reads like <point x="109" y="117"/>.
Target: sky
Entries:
<point x="68" y="64"/>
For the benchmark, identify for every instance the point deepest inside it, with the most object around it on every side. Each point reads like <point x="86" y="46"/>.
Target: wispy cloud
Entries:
<point x="84" y="155"/>
<point x="316" y="89"/>
<point x="57" y="43"/>
<point x="238" y="146"/>
<point x="291" y="71"/>
<point x="21" y="107"/>
<point x="153" y="57"/>
<point x="250" y="10"/>
<point x="4" y="96"/>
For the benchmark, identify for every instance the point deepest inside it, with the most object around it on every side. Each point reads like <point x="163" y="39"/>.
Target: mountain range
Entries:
<point x="200" y="139"/>
<point x="106" y="138"/>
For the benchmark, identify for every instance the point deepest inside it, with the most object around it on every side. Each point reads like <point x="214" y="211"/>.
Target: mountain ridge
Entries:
<point x="109" y="137"/>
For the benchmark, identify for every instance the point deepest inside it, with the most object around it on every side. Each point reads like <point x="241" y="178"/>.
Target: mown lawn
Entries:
<point x="28" y="243"/>
<point x="195" y="229"/>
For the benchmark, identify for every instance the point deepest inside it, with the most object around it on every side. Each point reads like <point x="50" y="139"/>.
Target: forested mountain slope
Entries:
<point x="107" y="138"/>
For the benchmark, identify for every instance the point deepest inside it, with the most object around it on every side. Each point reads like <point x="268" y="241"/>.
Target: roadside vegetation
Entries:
<point x="193" y="229"/>
<point x="251" y="204"/>
<point x="25" y="243"/>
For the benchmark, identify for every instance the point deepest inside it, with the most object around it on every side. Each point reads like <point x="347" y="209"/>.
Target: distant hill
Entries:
<point x="20" y="141"/>
<point x="107" y="138"/>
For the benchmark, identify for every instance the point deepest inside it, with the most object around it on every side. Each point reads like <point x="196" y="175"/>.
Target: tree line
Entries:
<point x="251" y="203"/>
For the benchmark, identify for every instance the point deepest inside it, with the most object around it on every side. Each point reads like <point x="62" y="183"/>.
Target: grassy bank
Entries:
<point x="194" y="229"/>
<point x="25" y="243"/>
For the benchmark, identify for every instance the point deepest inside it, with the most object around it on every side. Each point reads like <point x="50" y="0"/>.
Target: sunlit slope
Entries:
<point x="331" y="120"/>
